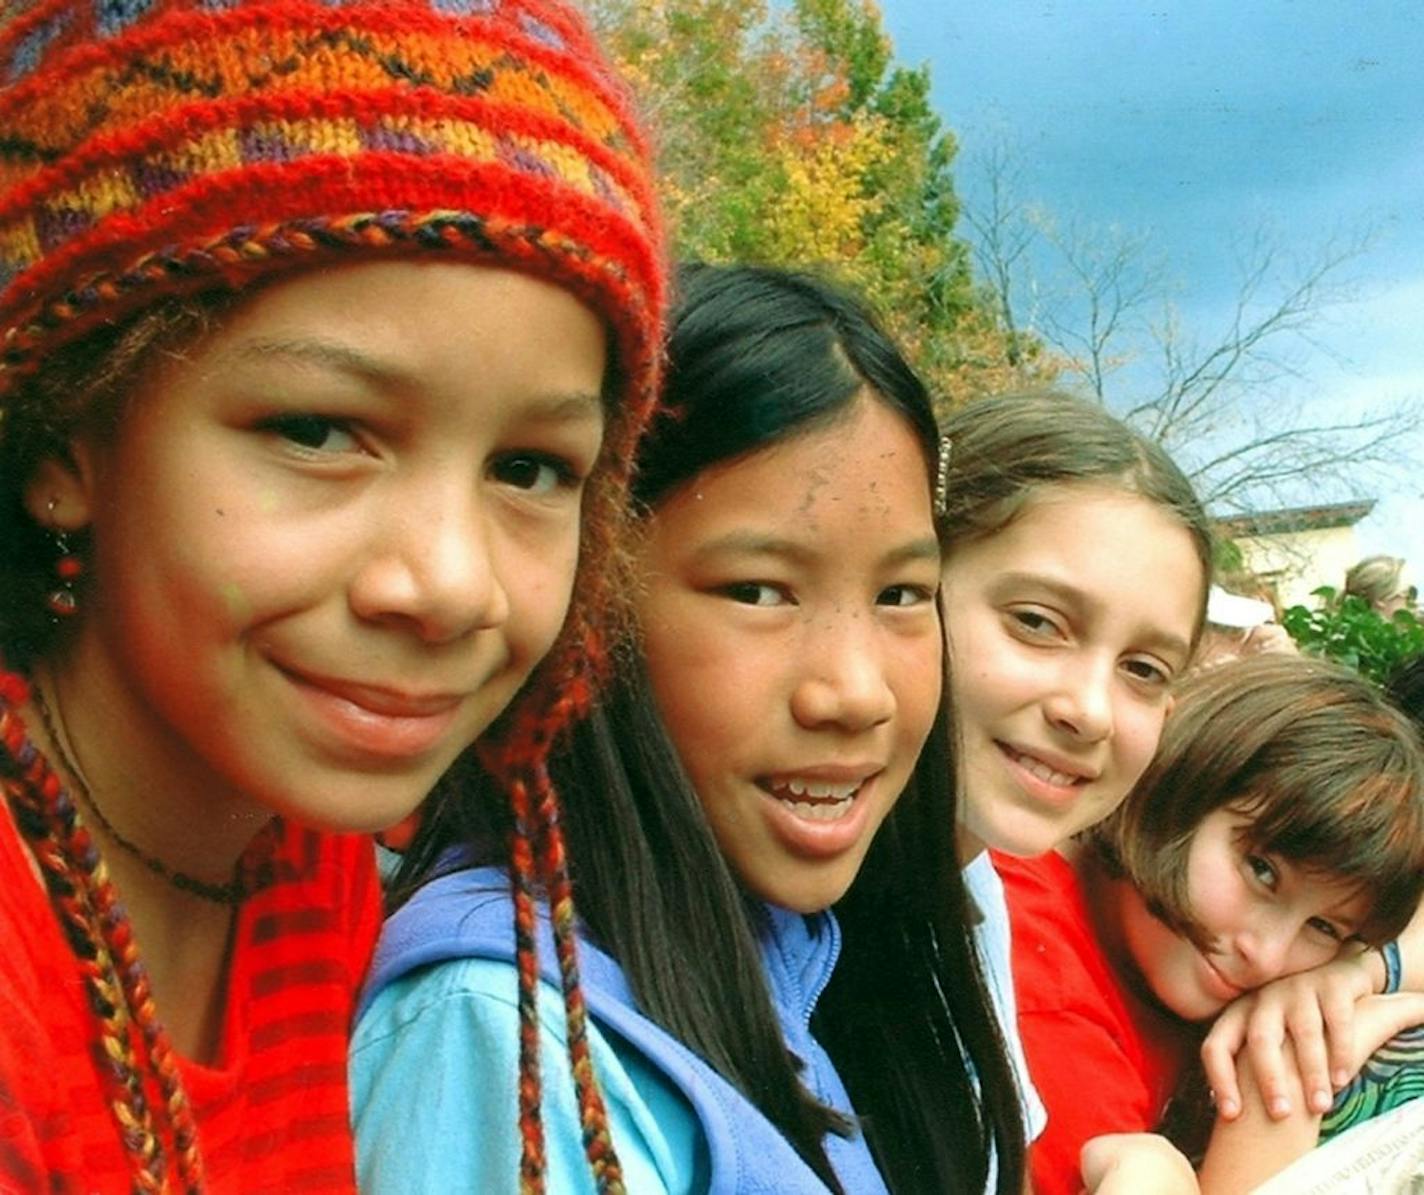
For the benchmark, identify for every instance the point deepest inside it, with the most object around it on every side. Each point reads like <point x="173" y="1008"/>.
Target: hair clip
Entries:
<point x="941" y="489"/>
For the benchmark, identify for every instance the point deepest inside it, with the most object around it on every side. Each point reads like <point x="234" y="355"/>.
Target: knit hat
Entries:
<point x="153" y="148"/>
<point x="158" y="146"/>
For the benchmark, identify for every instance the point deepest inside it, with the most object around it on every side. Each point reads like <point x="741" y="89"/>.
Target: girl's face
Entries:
<point x="1265" y="917"/>
<point x="333" y="539"/>
<point x="794" y="648"/>
<point x="1066" y="628"/>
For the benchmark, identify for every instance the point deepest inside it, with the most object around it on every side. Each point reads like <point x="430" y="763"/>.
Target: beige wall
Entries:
<point x="1300" y="561"/>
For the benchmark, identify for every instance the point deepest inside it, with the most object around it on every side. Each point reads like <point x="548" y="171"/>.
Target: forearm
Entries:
<point x="1244" y="1152"/>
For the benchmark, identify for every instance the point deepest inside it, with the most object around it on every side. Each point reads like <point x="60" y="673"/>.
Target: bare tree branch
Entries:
<point x="1198" y="392"/>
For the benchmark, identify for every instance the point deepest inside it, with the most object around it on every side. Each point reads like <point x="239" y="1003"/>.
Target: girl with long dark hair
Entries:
<point x="778" y="959"/>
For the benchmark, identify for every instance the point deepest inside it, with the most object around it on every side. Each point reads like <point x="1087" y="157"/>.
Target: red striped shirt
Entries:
<point x="272" y="1110"/>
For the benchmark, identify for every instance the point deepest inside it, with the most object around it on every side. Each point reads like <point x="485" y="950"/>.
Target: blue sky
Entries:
<point x="1197" y="121"/>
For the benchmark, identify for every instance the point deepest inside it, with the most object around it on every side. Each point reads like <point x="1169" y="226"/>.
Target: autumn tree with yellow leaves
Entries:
<point x="789" y="136"/>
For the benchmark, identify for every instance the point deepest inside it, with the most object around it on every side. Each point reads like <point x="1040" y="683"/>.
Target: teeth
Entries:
<point x="1043" y="771"/>
<point x="819" y="789"/>
<point x="816" y="800"/>
<point x="832" y="811"/>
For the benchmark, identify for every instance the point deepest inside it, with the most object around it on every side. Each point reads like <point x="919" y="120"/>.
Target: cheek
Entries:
<point x="915" y="678"/>
<point x="1139" y="730"/>
<point x="710" y="694"/>
<point x="543" y="587"/>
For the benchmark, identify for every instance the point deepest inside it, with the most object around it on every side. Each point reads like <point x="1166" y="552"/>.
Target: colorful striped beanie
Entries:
<point x="152" y="148"/>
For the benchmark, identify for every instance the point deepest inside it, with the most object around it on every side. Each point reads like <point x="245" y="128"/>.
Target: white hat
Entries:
<point x="1232" y="610"/>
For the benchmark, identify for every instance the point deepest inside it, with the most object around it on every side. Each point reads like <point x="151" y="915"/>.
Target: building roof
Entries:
<point x="1294" y="518"/>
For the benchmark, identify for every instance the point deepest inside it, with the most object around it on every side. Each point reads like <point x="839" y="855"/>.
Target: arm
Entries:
<point x="1130" y="1163"/>
<point x="1249" y="1149"/>
<point x="434" y="1076"/>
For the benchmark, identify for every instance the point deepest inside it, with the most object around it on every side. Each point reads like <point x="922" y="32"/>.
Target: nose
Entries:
<point x="431" y="565"/>
<point x="1264" y="947"/>
<point x="1081" y="703"/>
<point x="843" y="681"/>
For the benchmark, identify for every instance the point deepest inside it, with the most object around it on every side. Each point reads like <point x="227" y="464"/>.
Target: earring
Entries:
<point x="68" y="568"/>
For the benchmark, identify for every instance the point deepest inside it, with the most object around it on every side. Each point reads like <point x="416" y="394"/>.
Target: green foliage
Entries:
<point x="1226" y="557"/>
<point x="1350" y="630"/>
<point x="790" y="137"/>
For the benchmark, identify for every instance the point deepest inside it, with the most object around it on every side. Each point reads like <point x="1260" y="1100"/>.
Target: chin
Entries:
<point x="806" y="899"/>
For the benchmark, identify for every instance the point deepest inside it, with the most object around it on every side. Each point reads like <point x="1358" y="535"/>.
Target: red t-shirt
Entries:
<point x="272" y="1111"/>
<point x="1093" y="1055"/>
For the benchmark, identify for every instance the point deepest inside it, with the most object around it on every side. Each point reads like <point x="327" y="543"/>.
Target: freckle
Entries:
<point x="219" y="512"/>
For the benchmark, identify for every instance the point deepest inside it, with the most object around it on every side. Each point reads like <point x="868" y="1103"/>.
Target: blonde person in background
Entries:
<point x="1380" y="581"/>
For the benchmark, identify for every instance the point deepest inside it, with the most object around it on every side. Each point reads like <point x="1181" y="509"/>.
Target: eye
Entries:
<point x="1263" y="871"/>
<point x="316" y="433"/>
<point x="1148" y="671"/>
<point x="904" y="596"/>
<point x="535" y="473"/>
<point x="1327" y="929"/>
<point x="756" y="593"/>
<point x="1034" y="624"/>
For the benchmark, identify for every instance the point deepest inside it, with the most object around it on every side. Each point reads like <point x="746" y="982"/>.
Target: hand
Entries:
<point x="1135" y="1162"/>
<point x="1313" y="1010"/>
<point x="1355" y="1030"/>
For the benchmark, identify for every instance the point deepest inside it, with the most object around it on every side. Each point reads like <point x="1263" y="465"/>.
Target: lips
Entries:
<point x="372" y="724"/>
<point x="1049" y="769"/>
<point x="1226" y="989"/>
<point x="379" y="699"/>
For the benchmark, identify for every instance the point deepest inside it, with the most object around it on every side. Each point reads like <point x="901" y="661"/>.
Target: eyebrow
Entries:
<point x="335" y="357"/>
<point x="1156" y="637"/>
<point x="756" y="543"/>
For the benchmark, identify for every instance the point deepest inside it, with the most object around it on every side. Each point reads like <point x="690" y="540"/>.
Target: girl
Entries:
<point x="281" y="537"/>
<point x="1063" y="645"/>
<point x="1282" y="820"/>
<point x="776" y="944"/>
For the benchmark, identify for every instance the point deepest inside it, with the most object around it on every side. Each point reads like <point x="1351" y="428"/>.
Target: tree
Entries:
<point x="1104" y="307"/>
<point x="789" y="137"/>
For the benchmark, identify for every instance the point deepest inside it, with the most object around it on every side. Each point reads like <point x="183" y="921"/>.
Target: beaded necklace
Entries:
<point x="100" y="934"/>
<point x="233" y="892"/>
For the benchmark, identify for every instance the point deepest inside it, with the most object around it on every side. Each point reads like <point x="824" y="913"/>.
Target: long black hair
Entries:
<point x="758" y="356"/>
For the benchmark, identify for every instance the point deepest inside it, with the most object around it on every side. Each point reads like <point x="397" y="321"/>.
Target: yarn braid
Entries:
<point x="101" y="936"/>
<point x="539" y="861"/>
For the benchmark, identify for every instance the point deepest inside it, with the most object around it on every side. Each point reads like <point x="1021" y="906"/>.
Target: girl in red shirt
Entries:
<point x="326" y="330"/>
<point x="1281" y="826"/>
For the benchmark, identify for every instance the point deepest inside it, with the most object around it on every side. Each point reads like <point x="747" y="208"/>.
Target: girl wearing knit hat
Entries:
<point x="326" y="331"/>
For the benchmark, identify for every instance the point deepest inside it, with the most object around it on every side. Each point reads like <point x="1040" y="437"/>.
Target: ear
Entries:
<point x="59" y="494"/>
<point x="1171" y="705"/>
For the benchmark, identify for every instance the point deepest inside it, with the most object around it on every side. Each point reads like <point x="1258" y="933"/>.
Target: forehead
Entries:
<point x="865" y="470"/>
<point x="1111" y="547"/>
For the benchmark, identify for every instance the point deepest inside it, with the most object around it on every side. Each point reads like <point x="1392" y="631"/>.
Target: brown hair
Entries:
<point x="1002" y="451"/>
<point x="1330" y="773"/>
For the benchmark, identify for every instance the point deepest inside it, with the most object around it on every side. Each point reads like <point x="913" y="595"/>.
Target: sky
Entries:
<point x="1196" y="122"/>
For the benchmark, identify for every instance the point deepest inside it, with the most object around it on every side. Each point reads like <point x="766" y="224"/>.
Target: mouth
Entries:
<point x="1053" y="773"/>
<point x="1225" y="987"/>
<point x="381" y="725"/>
<point x="382" y="700"/>
<point x="813" y="799"/>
